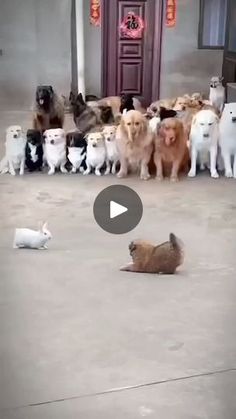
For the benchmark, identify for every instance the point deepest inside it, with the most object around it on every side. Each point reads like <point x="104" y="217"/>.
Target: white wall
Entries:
<point x="35" y="39"/>
<point x="93" y="54"/>
<point x="185" y="68"/>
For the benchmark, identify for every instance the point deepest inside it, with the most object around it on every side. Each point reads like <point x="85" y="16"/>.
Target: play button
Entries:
<point x="118" y="209"/>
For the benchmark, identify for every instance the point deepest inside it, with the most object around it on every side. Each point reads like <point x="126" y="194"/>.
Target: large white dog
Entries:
<point x="228" y="138"/>
<point x="14" y="158"/>
<point x="204" y="137"/>
<point x="55" y="149"/>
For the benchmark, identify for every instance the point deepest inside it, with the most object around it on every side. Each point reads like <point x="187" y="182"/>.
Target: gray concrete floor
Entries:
<point x="80" y="339"/>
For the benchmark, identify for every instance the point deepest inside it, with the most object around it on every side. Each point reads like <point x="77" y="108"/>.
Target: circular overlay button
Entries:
<point x="118" y="209"/>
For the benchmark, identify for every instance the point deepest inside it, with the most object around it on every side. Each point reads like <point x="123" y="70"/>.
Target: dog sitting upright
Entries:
<point x="76" y="151"/>
<point x="14" y="158"/>
<point x="49" y="109"/>
<point x="96" y="152"/>
<point x="34" y="150"/>
<point x="55" y="150"/>
<point x="217" y="93"/>
<point x="112" y="155"/>
<point x="162" y="259"/>
<point x="228" y="139"/>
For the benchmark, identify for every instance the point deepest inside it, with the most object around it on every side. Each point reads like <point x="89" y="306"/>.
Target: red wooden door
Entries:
<point x="128" y="62"/>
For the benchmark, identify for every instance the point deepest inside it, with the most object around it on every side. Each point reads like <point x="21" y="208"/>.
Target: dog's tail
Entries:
<point x="177" y="245"/>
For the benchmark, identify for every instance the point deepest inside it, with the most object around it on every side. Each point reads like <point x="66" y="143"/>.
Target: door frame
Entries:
<point x="156" y="56"/>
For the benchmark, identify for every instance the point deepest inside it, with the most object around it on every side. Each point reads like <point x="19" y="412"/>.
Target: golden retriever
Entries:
<point x="171" y="148"/>
<point x="161" y="259"/>
<point x="135" y="144"/>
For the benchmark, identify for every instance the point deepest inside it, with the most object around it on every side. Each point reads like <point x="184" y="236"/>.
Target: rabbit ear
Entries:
<point x="45" y="226"/>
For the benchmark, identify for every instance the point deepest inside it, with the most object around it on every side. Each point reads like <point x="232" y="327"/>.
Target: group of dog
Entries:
<point x="169" y="137"/>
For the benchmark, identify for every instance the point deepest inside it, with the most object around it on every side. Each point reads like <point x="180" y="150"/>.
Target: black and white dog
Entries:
<point x="76" y="151"/>
<point x="34" y="150"/>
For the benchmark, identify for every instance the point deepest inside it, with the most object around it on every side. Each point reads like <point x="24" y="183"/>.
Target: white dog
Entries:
<point x="112" y="155"/>
<point x="228" y="138"/>
<point x="96" y="152"/>
<point x="217" y="93"/>
<point x="55" y="149"/>
<point x="14" y="158"/>
<point x="204" y="137"/>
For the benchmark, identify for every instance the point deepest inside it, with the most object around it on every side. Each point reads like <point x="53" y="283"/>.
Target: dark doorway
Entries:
<point x="131" y="65"/>
<point x="229" y="64"/>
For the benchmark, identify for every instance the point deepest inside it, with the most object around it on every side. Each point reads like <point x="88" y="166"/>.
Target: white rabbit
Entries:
<point x="32" y="239"/>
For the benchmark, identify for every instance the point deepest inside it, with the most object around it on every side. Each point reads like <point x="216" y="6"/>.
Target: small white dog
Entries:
<point x="204" y="137"/>
<point x="217" y="93"/>
<point x="55" y="150"/>
<point x="228" y="138"/>
<point x="96" y="152"/>
<point x="14" y="158"/>
<point x="112" y="155"/>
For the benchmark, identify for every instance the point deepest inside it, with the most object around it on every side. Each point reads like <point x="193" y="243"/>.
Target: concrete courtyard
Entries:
<point x="80" y="339"/>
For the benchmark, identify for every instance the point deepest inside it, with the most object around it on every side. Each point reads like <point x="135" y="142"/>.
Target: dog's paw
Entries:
<point x="229" y="174"/>
<point x="215" y="175"/>
<point x="81" y="170"/>
<point x="113" y="171"/>
<point x="191" y="173"/>
<point x="13" y="173"/>
<point x="51" y="172"/>
<point x="159" y="178"/>
<point x="121" y="174"/>
<point x="63" y="170"/>
<point x="86" y="172"/>
<point x="145" y="176"/>
<point x="174" y="179"/>
<point x="107" y="172"/>
<point x="21" y="173"/>
<point x="98" y="173"/>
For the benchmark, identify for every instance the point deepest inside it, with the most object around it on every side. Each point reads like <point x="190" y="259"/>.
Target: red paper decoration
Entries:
<point x="95" y="12"/>
<point x="132" y="26"/>
<point x="171" y="6"/>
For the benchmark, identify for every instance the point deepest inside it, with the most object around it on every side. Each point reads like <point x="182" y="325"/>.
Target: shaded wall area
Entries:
<point x="185" y="68"/>
<point x="93" y="54"/>
<point x="36" y="48"/>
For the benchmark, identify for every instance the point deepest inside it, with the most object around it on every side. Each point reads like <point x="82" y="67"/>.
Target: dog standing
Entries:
<point x="134" y="143"/>
<point x="49" y="109"/>
<point x="34" y="150"/>
<point x="149" y="258"/>
<point x="96" y="152"/>
<point x="112" y="155"/>
<point x="55" y="150"/>
<point x="217" y="93"/>
<point x="228" y="138"/>
<point x="204" y="139"/>
<point x="14" y="158"/>
<point x="76" y="149"/>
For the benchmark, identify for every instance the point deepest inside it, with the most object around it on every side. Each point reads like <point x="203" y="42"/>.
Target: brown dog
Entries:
<point x="162" y="259"/>
<point x="170" y="148"/>
<point x="135" y="144"/>
<point x="49" y="109"/>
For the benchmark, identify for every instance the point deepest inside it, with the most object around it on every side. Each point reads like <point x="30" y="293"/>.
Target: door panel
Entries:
<point x="129" y="62"/>
<point x="229" y="63"/>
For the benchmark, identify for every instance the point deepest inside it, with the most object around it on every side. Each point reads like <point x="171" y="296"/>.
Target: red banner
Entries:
<point x="171" y="6"/>
<point x="95" y="12"/>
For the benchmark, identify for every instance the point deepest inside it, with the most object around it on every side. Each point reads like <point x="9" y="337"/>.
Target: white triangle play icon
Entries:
<point x="116" y="209"/>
